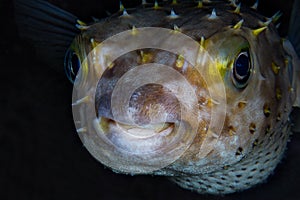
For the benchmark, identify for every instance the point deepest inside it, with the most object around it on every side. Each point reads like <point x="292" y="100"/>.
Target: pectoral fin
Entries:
<point x="49" y="28"/>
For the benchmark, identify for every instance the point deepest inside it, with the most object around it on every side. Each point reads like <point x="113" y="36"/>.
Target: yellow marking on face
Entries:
<point x="180" y="61"/>
<point x="146" y="57"/>
<point x="275" y="68"/>
<point x="242" y="104"/>
<point x="222" y="66"/>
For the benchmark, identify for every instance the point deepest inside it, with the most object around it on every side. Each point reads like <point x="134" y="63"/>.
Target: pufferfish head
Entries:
<point x="196" y="92"/>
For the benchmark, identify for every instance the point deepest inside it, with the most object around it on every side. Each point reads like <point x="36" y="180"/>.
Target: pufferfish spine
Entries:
<point x="246" y="92"/>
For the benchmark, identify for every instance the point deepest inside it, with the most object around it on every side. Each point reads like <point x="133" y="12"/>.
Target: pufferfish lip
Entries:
<point x="137" y="131"/>
<point x="137" y="139"/>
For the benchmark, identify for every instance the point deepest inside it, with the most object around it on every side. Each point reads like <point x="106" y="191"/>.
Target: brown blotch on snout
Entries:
<point x="153" y="103"/>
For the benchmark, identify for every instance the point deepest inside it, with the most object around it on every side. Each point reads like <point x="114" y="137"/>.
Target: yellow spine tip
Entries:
<point x="93" y="42"/>
<point x="176" y="28"/>
<point x="255" y="5"/>
<point x="276" y="16"/>
<point x="239" y="24"/>
<point x="256" y="32"/>
<point x="200" y="4"/>
<point x="238" y="9"/>
<point x="125" y="13"/>
<point x="202" y="42"/>
<point x="81" y="27"/>
<point x="134" y="30"/>
<point x="121" y="7"/>
<point x="213" y="14"/>
<point x="232" y="3"/>
<point x="85" y="99"/>
<point x="173" y="15"/>
<point x="81" y="22"/>
<point x="180" y="61"/>
<point x="82" y="130"/>
<point x="266" y="23"/>
<point x="156" y="6"/>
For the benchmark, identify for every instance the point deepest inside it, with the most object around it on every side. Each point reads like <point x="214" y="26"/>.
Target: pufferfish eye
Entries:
<point x="241" y="69"/>
<point x="72" y="65"/>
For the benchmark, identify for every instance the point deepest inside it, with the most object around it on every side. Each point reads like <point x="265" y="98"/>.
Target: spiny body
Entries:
<point x="259" y="99"/>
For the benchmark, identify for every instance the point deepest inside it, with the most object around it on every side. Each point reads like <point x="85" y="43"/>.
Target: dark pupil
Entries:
<point x="242" y="65"/>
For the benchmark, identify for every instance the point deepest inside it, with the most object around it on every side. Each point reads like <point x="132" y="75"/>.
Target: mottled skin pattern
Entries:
<point x="257" y="124"/>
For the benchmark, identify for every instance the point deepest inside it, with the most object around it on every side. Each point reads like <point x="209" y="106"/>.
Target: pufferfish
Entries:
<point x="207" y="103"/>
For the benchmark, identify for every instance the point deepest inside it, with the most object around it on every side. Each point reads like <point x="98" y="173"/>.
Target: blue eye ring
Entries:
<point x="241" y="69"/>
<point x="71" y="65"/>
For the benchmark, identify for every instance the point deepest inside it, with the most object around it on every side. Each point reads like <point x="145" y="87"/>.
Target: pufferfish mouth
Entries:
<point x="111" y="126"/>
<point x="153" y="112"/>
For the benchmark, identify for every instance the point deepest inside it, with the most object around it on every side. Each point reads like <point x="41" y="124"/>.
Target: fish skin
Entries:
<point x="241" y="160"/>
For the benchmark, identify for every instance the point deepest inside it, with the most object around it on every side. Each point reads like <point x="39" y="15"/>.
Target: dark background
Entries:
<point x="41" y="157"/>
